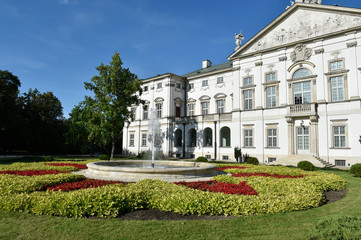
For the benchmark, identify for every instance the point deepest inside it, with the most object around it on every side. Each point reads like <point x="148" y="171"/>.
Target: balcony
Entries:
<point x="302" y="110"/>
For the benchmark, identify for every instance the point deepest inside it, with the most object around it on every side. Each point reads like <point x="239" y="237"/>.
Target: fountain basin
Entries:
<point x="136" y="170"/>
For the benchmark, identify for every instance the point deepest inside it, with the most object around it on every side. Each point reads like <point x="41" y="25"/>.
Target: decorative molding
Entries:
<point x="301" y="53"/>
<point x="337" y="72"/>
<point x="249" y="86"/>
<point x="236" y="68"/>
<point x="339" y="120"/>
<point x="359" y="68"/>
<point x="270" y="124"/>
<point x="257" y="64"/>
<point x="270" y="83"/>
<point x="319" y="51"/>
<point x="351" y="44"/>
<point x="282" y="59"/>
<point x="247" y="125"/>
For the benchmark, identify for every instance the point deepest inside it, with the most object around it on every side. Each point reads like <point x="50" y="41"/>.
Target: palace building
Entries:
<point x="290" y="93"/>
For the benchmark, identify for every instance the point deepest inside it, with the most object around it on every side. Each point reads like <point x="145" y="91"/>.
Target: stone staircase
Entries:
<point x="293" y="160"/>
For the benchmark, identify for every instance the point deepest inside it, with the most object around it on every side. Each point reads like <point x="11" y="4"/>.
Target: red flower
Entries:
<point x="78" y="166"/>
<point x="71" y="186"/>
<point x="32" y="172"/>
<point x="265" y="175"/>
<point x="229" y="167"/>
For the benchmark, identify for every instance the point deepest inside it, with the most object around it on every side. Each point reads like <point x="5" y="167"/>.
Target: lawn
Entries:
<point x="292" y="225"/>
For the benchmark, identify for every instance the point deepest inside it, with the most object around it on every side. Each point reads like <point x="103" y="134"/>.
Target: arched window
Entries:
<point x="192" y="137"/>
<point x="207" y="137"/>
<point x="225" y="137"/>
<point x="178" y="138"/>
<point x="301" y="73"/>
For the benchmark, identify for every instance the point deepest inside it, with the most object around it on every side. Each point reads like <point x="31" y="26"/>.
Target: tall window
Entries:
<point x="302" y="92"/>
<point x="225" y="137"/>
<point x="339" y="137"/>
<point x="303" y="139"/>
<point x="270" y="77"/>
<point x="301" y="73"/>
<point x="337" y="88"/>
<point x="204" y="83"/>
<point x="144" y="139"/>
<point x="145" y="89"/>
<point x="159" y="109"/>
<point x="145" y="112"/>
<point x="192" y="137"/>
<point x="219" y="80"/>
<point x="336" y="65"/>
<point x="191" y="109"/>
<point x="272" y="137"/>
<point x="248" y="99"/>
<point x="271" y="96"/>
<point x="159" y="85"/>
<point x="248" y="137"/>
<point x="205" y="108"/>
<point x="133" y="110"/>
<point x="248" y="80"/>
<point x="220" y="106"/>
<point x="207" y="137"/>
<point x="178" y="138"/>
<point x="131" y="140"/>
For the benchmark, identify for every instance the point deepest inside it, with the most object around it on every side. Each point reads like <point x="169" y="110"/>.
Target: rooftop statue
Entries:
<point x="239" y="37"/>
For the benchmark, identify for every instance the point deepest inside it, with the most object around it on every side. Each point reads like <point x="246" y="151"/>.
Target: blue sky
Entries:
<point x="55" y="45"/>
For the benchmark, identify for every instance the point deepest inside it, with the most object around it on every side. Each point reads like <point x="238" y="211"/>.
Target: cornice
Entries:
<point x="210" y="73"/>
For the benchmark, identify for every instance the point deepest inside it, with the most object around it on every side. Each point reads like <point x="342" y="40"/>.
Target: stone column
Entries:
<point x="314" y="136"/>
<point x="291" y="137"/>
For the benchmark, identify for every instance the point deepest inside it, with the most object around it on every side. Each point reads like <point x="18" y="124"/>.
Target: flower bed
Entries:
<point x="76" y="165"/>
<point x="272" y="193"/>
<point x="84" y="184"/>
<point x="228" y="188"/>
<point x="229" y="167"/>
<point x="32" y="172"/>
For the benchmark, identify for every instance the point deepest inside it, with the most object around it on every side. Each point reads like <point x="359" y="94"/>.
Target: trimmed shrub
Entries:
<point x="202" y="159"/>
<point x="356" y="170"/>
<point x="252" y="160"/>
<point x="104" y="157"/>
<point x="337" y="228"/>
<point x="48" y="158"/>
<point x="306" y="165"/>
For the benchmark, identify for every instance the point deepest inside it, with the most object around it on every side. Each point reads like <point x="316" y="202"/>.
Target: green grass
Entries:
<point x="293" y="225"/>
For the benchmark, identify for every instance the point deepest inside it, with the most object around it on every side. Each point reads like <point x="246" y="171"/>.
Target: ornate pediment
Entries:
<point x="301" y="53"/>
<point x="301" y="22"/>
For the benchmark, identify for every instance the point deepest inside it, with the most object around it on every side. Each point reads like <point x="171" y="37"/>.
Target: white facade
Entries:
<point x="290" y="93"/>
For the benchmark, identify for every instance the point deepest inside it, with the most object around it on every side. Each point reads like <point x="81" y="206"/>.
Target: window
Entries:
<point x="178" y="138"/>
<point x="248" y="99"/>
<point x="220" y="106"/>
<point x="271" y="160"/>
<point x="340" y="163"/>
<point x="337" y="88"/>
<point x="271" y="138"/>
<point x="159" y="85"/>
<point x="204" y="108"/>
<point x="145" y="112"/>
<point x="191" y="86"/>
<point x="303" y="139"/>
<point x="302" y="92"/>
<point x="177" y="111"/>
<point x="219" y="80"/>
<point x="336" y="65"/>
<point x="225" y="157"/>
<point x="131" y="140"/>
<point x="190" y="109"/>
<point x="204" y="83"/>
<point x="133" y="110"/>
<point x="144" y="139"/>
<point x="192" y="137"/>
<point x="339" y="137"/>
<point x="207" y="137"/>
<point x="225" y="137"/>
<point x="145" y="89"/>
<point x="271" y="96"/>
<point x="208" y="157"/>
<point x="270" y="77"/>
<point x="159" y="109"/>
<point x="178" y="85"/>
<point x="301" y="73"/>
<point x="248" y="81"/>
<point x="248" y="138"/>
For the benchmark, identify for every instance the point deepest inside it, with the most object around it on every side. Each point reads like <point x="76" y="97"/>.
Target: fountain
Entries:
<point x="136" y="170"/>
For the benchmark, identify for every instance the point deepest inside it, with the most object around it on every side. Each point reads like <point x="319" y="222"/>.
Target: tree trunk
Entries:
<point x="113" y="147"/>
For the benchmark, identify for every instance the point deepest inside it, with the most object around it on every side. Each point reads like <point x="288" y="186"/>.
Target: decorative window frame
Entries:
<point x="336" y="60"/>
<point x="131" y="139"/>
<point x="133" y="111"/>
<point x="204" y="138"/>
<point x="203" y="99"/>
<point x="337" y="73"/>
<point x="271" y="126"/>
<point x="220" y="97"/>
<point x="253" y="89"/>
<point x="145" y="106"/>
<point x="268" y="73"/>
<point x="248" y="127"/>
<point x="271" y="84"/>
<point x="146" y="139"/>
<point x="203" y="83"/>
<point x="159" y="86"/>
<point x="248" y="84"/>
<point x="339" y="123"/>
<point x="292" y="81"/>
<point x="178" y="102"/>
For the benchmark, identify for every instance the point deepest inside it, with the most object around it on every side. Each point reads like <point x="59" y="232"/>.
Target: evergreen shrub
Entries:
<point x="104" y="157"/>
<point x="252" y="160"/>
<point x="202" y="159"/>
<point x="356" y="170"/>
<point x="48" y="158"/>
<point x="306" y="165"/>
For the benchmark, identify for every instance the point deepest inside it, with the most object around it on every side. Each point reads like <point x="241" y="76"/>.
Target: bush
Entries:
<point x="202" y="159"/>
<point x="356" y="170"/>
<point x="306" y="165"/>
<point x="337" y="228"/>
<point x="104" y="157"/>
<point x="48" y="158"/>
<point x="252" y="160"/>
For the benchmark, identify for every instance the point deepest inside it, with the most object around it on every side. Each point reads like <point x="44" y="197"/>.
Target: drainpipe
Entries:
<point x="184" y="140"/>
<point x="215" y="140"/>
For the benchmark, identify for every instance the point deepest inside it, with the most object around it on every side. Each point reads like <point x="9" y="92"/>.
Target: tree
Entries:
<point x="115" y="90"/>
<point x="9" y="85"/>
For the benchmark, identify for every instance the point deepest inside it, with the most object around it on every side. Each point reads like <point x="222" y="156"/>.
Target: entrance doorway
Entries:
<point x="303" y="140"/>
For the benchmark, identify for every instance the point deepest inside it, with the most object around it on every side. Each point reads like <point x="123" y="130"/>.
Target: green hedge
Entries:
<point x="252" y="160"/>
<point x="306" y="165"/>
<point x="356" y="170"/>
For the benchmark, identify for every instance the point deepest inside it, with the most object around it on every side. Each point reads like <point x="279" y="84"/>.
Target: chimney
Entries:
<point x="206" y="64"/>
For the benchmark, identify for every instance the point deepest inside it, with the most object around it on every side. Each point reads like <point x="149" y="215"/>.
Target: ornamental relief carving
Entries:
<point x="301" y="53"/>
